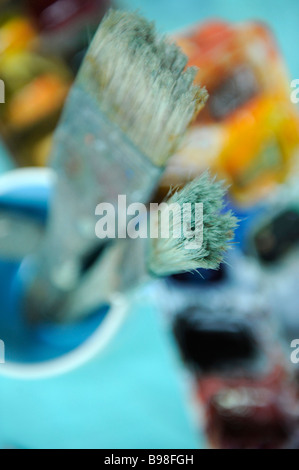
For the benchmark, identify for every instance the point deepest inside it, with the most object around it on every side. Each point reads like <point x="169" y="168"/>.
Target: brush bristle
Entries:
<point x="172" y="255"/>
<point x="141" y="84"/>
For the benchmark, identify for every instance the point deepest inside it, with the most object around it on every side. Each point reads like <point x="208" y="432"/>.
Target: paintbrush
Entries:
<point x="125" y="116"/>
<point x="193" y="242"/>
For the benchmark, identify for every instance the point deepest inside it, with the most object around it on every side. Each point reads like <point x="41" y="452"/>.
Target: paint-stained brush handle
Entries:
<point x="126" y="114"/>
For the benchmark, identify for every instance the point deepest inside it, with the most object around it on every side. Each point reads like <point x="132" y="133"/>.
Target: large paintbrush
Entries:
<point x="126" y="114"/>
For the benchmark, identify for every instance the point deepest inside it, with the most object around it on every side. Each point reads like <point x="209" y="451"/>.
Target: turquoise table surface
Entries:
<point x="129" y="397"/>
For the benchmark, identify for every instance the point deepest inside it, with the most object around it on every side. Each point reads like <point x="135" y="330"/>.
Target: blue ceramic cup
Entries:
<point x="111" y="381"/>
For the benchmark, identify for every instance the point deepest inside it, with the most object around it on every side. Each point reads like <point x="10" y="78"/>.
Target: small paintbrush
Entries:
<point x="134" y="261"/>
<point x="125" y="116"/>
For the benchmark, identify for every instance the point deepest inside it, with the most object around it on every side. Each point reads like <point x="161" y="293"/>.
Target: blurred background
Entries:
<point x="205" y="358"/>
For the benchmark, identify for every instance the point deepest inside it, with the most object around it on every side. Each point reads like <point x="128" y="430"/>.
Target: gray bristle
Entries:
<point x="140" y="82"/>
<point x="172" y="255"/>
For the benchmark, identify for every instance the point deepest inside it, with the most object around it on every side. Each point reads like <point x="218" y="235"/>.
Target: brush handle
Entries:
<point x="94" y="162"/>
<point x="97" y="159"/>
<point x="121" y="269"/>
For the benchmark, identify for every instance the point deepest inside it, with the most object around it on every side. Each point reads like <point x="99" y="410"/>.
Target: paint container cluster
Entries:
<point x="234" y="327"/>
<point x="42" y="45"/>
<point x="233" y="339"/>
<point x="249" y="129"/>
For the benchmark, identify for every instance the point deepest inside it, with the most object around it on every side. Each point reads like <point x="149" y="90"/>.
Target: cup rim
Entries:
<point x="91" y="347"/>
